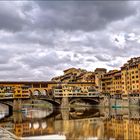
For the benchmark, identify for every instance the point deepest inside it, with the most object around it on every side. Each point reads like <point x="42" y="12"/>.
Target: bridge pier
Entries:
<point x="65" y="108"/>
<point x="65" y="102"/>
<point x="17" y="117"/>
<point x="106" y="101"/>
<point x="17" y="105"/>
<point x="65" y="114"/>
<point x="134" y="101"/>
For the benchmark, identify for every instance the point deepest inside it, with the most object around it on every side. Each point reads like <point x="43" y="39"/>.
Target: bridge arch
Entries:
<point x="36" y="92"/>
<point x="10" y="106"/>
<point x="49" y="93"/>
<point x="53" y="102"/>
<point x="44" y="92"/>
<point x="91" y="101"/>
<point x="30" y="92"/>
<point x="74" y="100"/>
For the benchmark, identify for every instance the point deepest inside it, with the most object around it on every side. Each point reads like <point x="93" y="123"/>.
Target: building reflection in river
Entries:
<point x="79" y="129"/>
<point x="97" y="124"/>
<point x="122" y="129"/>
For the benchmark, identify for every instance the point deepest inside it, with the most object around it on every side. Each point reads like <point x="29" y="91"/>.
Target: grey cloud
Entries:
<point x="7" y="67"/>
<point x="50" y="59"/>
<point x="40" y="39"/>
<point x="114" y="64"/>
<point x="11" y="17"/>
<point x="116" y="10"/>
<point x="76" y="15"/>
<point x="5" y="56"/>
<point x="103" y="57"/>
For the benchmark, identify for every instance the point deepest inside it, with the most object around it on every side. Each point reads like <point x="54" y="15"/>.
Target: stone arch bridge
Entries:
<point x="57" y="102"/>
<point x="42" y="90"/>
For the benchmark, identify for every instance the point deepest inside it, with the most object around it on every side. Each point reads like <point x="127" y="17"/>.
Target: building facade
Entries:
<point x="99" y="73"/>
<point x="130" y="72"/>
<point x="109" y="81"/>
<point x="125" y="81"/>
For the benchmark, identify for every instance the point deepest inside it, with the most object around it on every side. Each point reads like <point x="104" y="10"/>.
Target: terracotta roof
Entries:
<point x="69" y="69"/>
<point x="100" y="69"/>
<point x="117" y="74"/>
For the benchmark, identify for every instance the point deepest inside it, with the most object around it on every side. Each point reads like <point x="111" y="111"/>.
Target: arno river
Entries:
<point x="77" y="123"/>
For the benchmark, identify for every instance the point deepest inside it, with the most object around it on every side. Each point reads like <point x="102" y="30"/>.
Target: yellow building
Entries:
<point x="126" y="81"/>
<point x="117" y="82"/>
<point x="75" y="75"/>
<point x="86" y="77"/>
<point x="73" y="71"/>
<point x="130" y="72"/>
<point x="15" y="90"/>
<point x="99" y="73"/>
<point x="108" y="82"/>
<point x="70" y="88"/>
<point x="22" y="89"/>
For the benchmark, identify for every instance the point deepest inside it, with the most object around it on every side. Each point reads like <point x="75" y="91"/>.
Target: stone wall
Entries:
<point x="134" y="102"/>
<point x="107" y="101"/>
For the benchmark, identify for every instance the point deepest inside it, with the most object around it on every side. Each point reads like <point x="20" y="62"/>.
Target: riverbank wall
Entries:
<point x="121" y="102"/>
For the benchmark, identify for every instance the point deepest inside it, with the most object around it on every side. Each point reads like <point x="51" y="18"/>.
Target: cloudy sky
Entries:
<point x="39" y="39"/>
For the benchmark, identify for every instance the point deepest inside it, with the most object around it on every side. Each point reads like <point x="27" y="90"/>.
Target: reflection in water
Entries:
<point x="75" y="124"/>
<point x="4" y="111"/>
<point x="37" y="113"/>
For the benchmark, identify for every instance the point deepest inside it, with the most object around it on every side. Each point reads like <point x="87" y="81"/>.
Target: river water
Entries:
<point x="70" y="124"/>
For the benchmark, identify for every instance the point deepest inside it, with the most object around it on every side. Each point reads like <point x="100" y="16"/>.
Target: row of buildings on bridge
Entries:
<point x="121" y="82"/>
<point x="124" y="81"/>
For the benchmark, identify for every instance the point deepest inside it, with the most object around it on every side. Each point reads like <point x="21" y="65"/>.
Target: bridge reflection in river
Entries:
<point x="74" y="124"/>
<point x="4" y="111"/>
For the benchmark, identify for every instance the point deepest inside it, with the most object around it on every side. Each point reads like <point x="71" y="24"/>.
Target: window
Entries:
<point x="132" y="72"/>
<point x="132" y="77"/>
<point x="36" y="85"/>
<point x="44" y="85"/>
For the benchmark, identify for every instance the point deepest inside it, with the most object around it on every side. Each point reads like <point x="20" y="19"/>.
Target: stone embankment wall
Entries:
<point x="105" y="101"/>
<point x="134" y="101"/>
<point x="119" y="102"/>
<point x="131" y="102"/>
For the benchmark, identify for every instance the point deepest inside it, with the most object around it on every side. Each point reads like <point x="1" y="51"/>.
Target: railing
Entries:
<point x="13" y="96"/>
<point x="76" y="94"/>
